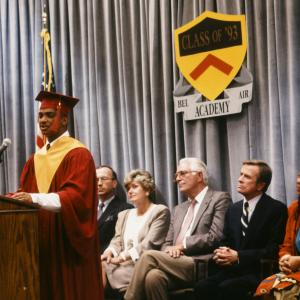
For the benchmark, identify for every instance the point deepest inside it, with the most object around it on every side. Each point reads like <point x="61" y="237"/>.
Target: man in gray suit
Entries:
<point x="195" y="230"/>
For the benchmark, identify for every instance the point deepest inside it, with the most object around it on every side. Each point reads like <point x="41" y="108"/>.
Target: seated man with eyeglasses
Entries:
<point x="109" y="205"/>
<point x="196" y="228"/>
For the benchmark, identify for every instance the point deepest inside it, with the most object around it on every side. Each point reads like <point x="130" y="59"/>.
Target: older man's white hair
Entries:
<point x="195" y="164"/>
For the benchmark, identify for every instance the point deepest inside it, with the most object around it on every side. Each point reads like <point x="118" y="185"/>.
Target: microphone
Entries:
<point x="6" y="142"/>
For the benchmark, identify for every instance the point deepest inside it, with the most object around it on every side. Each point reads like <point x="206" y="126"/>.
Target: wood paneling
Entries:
<point x="19" y="265"/>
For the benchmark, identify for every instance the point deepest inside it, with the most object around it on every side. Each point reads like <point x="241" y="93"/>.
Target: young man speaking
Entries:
<point x="61" y="178"/>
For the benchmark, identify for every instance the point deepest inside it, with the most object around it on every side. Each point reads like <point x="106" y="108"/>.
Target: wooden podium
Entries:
<point x="19" y="250"/>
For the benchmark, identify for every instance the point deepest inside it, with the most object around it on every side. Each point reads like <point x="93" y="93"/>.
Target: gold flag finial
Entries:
<point x="48" y="68"/>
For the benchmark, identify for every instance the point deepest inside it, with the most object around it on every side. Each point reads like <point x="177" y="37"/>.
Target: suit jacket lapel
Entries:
<point x="121" y="227"/>
<point x="202" y="208"/>
<point x="177" y="223"/>
<point x="126" y="214"/>
<point x="110" y="208"/>
<point x="257" y="218"/>
<point x="145" y="229"/>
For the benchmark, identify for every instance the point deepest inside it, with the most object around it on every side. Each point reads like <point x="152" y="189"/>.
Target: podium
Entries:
<point x="19" y="250"/>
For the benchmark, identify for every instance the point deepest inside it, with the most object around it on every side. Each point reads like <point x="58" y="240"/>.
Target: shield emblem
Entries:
<point x="210" y="51"/>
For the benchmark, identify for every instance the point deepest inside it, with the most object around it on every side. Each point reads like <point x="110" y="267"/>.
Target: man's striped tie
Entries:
<point x="244" y="218"/>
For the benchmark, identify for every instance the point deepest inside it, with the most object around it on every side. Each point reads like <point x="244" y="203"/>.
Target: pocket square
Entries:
<point x="109" y="218"/>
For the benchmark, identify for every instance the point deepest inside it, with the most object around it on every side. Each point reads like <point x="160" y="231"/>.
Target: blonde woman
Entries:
<point x="138" y="229"/>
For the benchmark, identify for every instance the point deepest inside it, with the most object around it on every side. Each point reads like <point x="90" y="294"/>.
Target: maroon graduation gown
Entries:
<point x="69" y="254"/>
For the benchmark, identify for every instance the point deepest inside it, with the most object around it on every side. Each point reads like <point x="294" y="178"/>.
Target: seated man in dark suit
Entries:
<point x="195" y="230"/>
<point x="254" y="227"/>
<point x="109" y="205"/>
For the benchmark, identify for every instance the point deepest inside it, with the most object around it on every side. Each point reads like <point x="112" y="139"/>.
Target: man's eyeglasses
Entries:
<point x="104" y="178"/>
<point x="182" y="174"/>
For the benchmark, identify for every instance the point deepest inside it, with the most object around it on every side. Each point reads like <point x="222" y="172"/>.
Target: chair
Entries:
<point x="268" y="267"/>
<point x="201" y="269"/>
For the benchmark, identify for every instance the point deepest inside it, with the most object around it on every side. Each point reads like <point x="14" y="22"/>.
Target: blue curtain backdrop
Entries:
<point x="118" y="57"/>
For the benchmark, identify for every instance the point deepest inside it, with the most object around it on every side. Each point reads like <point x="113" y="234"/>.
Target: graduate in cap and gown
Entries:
<point x="61" y="179"/>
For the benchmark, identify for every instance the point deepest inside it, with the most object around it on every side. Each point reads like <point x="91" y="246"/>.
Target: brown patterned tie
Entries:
<point x="187" y="223"/>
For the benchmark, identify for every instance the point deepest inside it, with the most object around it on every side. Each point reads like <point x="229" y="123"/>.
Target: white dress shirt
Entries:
<point x="252" y="204"/>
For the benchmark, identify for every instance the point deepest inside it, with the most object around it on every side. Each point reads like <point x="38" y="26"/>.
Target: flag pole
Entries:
<point x="48" y="83"/>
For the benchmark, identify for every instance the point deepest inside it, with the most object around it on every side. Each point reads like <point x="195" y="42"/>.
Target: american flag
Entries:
<point x="48" y="83"/>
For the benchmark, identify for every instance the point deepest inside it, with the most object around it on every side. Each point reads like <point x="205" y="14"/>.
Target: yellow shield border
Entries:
<point x="210" y="59"/>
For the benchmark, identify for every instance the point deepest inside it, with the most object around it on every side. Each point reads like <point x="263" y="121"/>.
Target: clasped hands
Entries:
<point x="110" y="259"/>
<point x="225" y="256"/>
<point x="289" y="263"/>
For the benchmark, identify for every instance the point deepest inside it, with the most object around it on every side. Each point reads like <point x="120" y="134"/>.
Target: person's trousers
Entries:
<point x="156" y="273"/>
